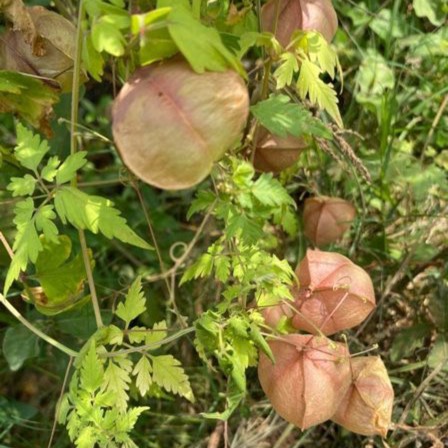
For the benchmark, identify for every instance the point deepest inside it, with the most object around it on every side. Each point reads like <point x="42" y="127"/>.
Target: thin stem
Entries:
<point x="153" y="345"/>
<point x="56" y="416"/>
<point x="35" y="330"/>
<point x="73" y="149"/>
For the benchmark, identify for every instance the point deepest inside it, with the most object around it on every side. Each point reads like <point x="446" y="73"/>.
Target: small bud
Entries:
<point x="308" y="380"/>
<point x="327" y="219"/>
<point x="335" y="294"/>
<point x="367" y="407"/>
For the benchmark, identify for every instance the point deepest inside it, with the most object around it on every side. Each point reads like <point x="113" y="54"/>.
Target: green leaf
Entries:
<point x="22" y="186"/>
<point x="244" y="227"/>
<point x="142" y="371"/>
<point x="44" y="222"/>
<point x="282" y="117"/>
<point x="91" y="370"/>
<point x="106" y="37"/>
<point x="62" y="282"/>
<point x="87" y="437"/>
<point x="158" y="333"/>
<point x="321" y="94"/>
<point x="269" y="191"/>
<point x="168" y="374"/>
<point x="201" y="45"/>
<point x="204" y="199"/>
<point x="261" y="342"/>
<point x="284" y="73"/>
<point x="134" y="304"/>
<point x="93" y="61"/>
<point x="434" y="10"/>
<point x="439" y="352"/>
<point x="116" y="380"/>
<point x="19" y="344"/>
<point x="49" y="171"/>
<point x="30" y="149"/>
<point x="71" y="165"/>
<point x="28" y="97"/>
<point x="96" y="214"/>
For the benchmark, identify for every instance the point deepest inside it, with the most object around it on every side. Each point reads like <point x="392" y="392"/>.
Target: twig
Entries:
<point x="35" y="330"/>
<point x="56" y="415"/>
<point x="434" y="124"/>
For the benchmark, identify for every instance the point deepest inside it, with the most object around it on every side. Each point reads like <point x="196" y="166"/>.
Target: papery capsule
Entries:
<point x="317" y="15"/>
<point x="335" y="294"/>
<point x="275" y="154"/>
<point x="308" y="380"/>
<point x="367" y="407"/>
<point x="326" y="219"/>
<point x="171" y="124"/>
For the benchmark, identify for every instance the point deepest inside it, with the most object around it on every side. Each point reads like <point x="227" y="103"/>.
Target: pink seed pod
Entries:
<point x="326" y="219"/>
<point x="275" y="154"/>
<point x="335" y="294"/>
<point x="310" y="377"/>
<point x="317" y="15"/>
<point x="171" y="124"/>
<point x="367" y="407"/>
<point x="274" y="314"/>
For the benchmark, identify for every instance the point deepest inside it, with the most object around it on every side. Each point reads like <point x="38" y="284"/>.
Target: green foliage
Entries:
<point x="279" y="115"/>
<point x="28" y="97"/>
<point x="19" y="345"/>
<point x="134" y="304"/>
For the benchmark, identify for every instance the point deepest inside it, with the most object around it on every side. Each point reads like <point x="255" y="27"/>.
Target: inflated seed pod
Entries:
<point x="367" y="407"/>
<point x="171" y="124"/>
<point x="335" y="294"/>
<point x="326" y="219"/>
<point x="275" y="154"/>
<point x="317" y="15"/>
<point x="310" y="377"/>
<point x="56" y="53"/>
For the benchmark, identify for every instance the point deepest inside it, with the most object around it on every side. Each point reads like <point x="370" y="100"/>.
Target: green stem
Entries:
<point x="153" y="345"/>
<point x="35" y="330"/>
<point x="73" y="149"/>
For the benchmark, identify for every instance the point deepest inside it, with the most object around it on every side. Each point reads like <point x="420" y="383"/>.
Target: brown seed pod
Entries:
<point x="317" y="15"/>
<point x="55" y="58"/>
<point x="170" y="124"/>
<point x="367" y="407"/>
<point x="326" y="219"/>
<point x="335" y="294"/>
<point x="308" y="380"/>
<point x="275" y="154"/>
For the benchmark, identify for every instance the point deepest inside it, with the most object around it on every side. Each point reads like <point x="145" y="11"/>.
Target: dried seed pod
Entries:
<point x="55" y="58"/>
<point x="367" y="407"/>
<point x="317" y="15"/>
<point x="335" y="294"/>
<point x="326" y="219"/>
<point x="170" y="124"/>
<point x="275" y="154"/>
<point x="308" y="380"/>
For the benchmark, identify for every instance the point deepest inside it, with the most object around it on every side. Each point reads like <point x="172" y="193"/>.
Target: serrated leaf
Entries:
<point x="142" y="371"/>
<point x="96" y="214"/>
<point x="134" y="304"/>
<point x="92" y="371"/>
<point x="116" y="380"/>
<point x="282" y="117"/>
<point x="321" y="94"/>
<point x="169" y="374"/>
<point x="44" y="222"/>
<point x="49" y="171"/>
<point x="222" y="268"/>
<point x="30" y="149"/>
<point x="284" y="73"/>
<point x="245" y="228"/>
<point x="87" y="437"/>
<point x="22" y="186"/>
<point x="269" y="191"/>
<point x="158" y="333"/>
<point x="93" y="60"/>
<point x="204" y="199"/>
<point x="71" y="165"/>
